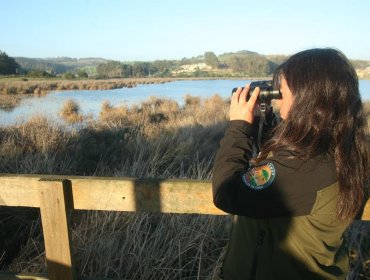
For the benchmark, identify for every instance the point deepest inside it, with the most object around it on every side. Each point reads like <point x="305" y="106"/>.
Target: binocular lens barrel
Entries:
<point x="270" y="94"/>
<point x="267" y="92"/>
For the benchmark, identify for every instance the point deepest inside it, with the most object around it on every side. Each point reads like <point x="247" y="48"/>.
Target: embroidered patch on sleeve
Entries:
<point x="260" y="177"/>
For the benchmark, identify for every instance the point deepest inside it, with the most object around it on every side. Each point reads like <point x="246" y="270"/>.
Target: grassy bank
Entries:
<point x="14" y="85"/>
<point x="13" y="89"/>
<point x="156" y="139"/>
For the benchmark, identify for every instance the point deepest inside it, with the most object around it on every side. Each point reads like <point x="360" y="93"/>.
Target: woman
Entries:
<point x="293" y="204"/>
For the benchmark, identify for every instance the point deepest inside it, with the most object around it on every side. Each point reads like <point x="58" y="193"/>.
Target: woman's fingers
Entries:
<point x="236" y="95"/>
<point x="254" y="96"/>
<point x="241" y="107"/>
<point x="240" y="95"/>
<point x="243" y="94"/>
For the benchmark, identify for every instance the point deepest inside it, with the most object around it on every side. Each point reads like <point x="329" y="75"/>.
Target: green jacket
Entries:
<point x="285" y="224"/>
<point x="304" y="247"/>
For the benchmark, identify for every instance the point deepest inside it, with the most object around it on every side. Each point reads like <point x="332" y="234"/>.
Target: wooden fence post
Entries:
<point x="55" y="205"/>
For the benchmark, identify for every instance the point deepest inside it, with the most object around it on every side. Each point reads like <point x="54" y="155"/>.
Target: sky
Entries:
<point x="147" y="30"/>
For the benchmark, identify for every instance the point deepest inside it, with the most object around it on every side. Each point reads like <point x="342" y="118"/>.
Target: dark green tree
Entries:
<point x="38" y="74"/>
<point x="68" y="76"/>
<point x="82" y="74"/>
<point x="253" y="65"/>
<point x="211" y="59"/>
<point x="140" y="69"/>
<point x="127" y="70"/>
<point x="111" y="69"/>
<point x="8" y="65"/>
<point x="163" y="67"/>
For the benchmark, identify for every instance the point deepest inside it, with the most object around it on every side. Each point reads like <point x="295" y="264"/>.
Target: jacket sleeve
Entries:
<point x="282" y="185"/>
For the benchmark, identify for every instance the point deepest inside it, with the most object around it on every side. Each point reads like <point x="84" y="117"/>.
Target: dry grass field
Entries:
<point x="156" y="139"/>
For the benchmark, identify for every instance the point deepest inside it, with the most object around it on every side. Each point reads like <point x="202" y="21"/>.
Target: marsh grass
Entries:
<point x="14" y="89"/>
<point x="156" y="139"/>
<point x="9" y="102"/>
<point x="70" y="112"/>
<point x="15" y="86"/>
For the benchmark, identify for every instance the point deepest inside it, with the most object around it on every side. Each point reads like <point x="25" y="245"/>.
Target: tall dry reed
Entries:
<point x="70" y="112"/>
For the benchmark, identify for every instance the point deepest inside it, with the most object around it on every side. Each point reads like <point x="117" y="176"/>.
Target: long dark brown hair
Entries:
<point x="326" y="118"/>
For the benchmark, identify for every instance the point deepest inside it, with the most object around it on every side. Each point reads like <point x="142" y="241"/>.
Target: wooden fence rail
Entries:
<point x="57" y="195"/>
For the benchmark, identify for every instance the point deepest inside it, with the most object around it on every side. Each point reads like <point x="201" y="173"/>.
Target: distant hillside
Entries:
<point x="255" y="64"/>
<point x="362" y="68"/>
<point x="227" y="56"/>
<point x="59" y="65"/>
<point x="277" y="59"/>
<point x="240" y="63"/>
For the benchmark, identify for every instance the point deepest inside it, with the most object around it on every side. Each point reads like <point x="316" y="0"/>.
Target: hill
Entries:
<point x="240" y="63"/>
<point x="59" y="65"/>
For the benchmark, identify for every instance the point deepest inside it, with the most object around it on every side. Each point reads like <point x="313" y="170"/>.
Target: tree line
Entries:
<point x="242" y="63"/>
<point x="115" y="69"/>
<point x="8" y="65"/>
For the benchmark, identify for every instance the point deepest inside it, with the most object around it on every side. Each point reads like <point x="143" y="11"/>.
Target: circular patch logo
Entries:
<point x="260" y="177"/>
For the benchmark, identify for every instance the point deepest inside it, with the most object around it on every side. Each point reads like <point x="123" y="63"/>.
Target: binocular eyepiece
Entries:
<point x="267" y="91"/>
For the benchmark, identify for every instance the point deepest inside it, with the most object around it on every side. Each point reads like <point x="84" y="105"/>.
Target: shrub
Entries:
<point x="191" y="100"/>
<point x="82" y="74"/>
<point x="70" y="112"/>
<point x="38" y="74"/>
<point x="113" y="117"/>
<point x="8" y="102"/>
<point x="68" y="76"/>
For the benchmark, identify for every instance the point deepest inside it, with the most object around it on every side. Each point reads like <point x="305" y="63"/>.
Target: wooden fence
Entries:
<point x="56" y="196"/>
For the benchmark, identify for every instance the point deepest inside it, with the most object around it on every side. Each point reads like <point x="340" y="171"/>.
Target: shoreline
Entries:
<point x="22" y="85"/>
<point x="14" y="86"/>
<point x="14" y="89"/>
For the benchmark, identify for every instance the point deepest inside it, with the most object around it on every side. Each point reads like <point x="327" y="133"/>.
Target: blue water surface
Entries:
<point x="90" y="101"/>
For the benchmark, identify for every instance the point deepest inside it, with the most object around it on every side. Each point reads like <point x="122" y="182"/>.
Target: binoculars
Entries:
<point x="267" y="91"/>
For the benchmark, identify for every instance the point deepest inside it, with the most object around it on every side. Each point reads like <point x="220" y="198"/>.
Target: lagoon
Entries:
<point x="90" y="101"/>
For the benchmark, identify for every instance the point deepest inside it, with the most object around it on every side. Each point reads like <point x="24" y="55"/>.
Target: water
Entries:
<point x="90" y="102"/>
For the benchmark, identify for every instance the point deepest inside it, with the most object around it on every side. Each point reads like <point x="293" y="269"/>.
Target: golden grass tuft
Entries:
<point x="113" y="117"/>
<point x="192" y="100"/>
<point x="9" y="102"/>
<point x="70" y="112"/>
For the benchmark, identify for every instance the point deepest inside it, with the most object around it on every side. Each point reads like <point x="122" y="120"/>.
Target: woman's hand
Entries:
<point x="240" y="108"/>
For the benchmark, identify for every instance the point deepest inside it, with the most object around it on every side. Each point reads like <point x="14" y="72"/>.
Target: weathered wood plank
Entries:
<point x="167" y="196"/>
<point x="121" y="194"/>
<point x="117" y="194"/>
<point x="55" y="205"/>
<point x="25" y="276"/>
<point x="19" y="191"/>
<point x="5" y="275"/>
